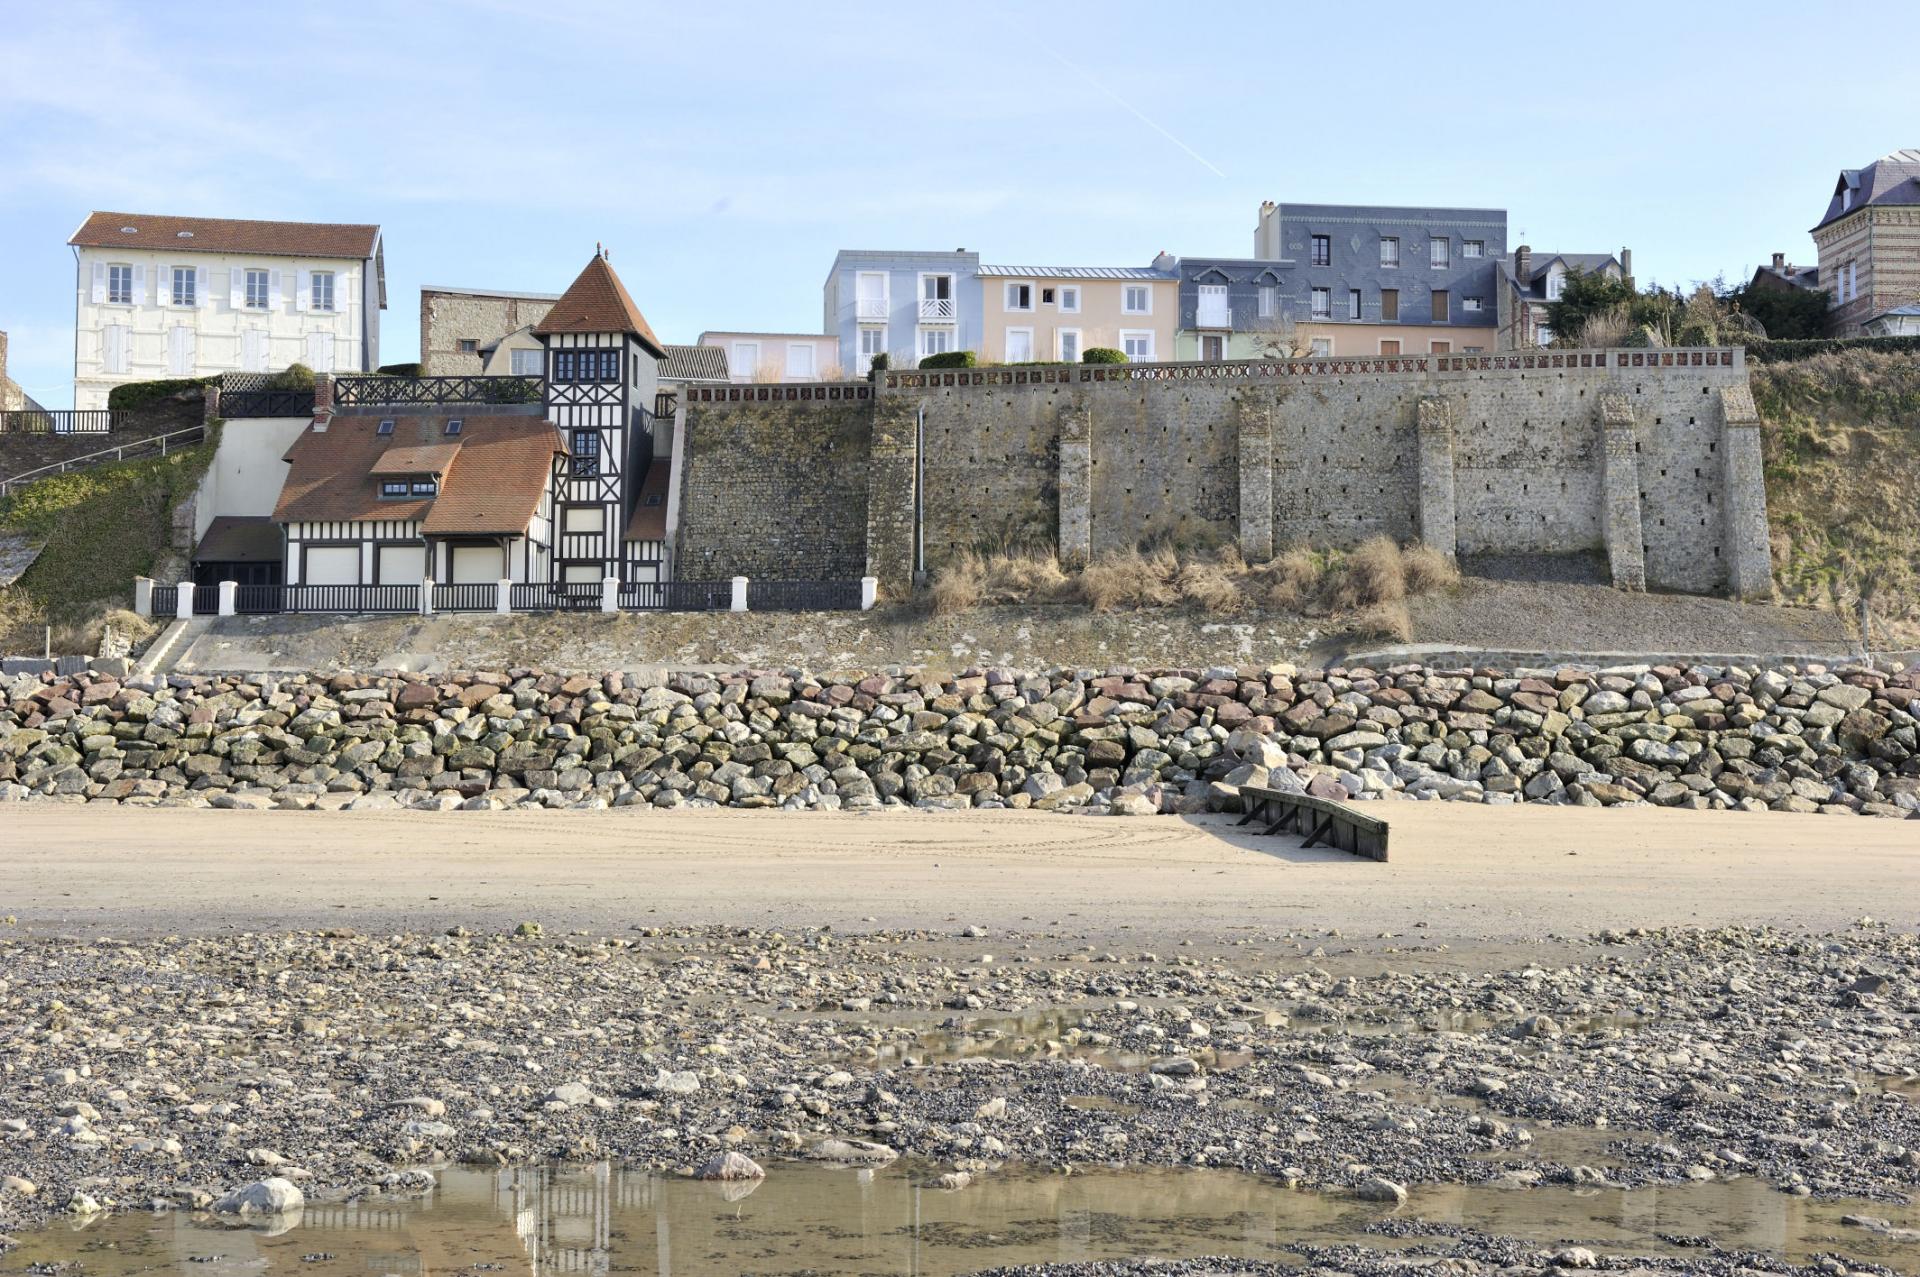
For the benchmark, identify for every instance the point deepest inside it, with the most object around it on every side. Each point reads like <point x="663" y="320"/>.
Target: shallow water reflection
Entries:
<point x="604" y="1220"/>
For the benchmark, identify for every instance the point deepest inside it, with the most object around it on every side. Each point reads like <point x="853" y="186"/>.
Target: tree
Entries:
<point x="1583" y="296"/>
<point x="1788" y="314"/>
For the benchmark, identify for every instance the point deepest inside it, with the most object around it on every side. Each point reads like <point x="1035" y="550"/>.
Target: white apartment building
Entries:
<point x="158" y="297"/>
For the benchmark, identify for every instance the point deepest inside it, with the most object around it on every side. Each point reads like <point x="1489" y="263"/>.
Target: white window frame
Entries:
<point x="945" y="334"/>
<point x="1542" y="335"/>
<point x="1443" y="247"/>
<point x="1471" y="305"/>
<point x="1313" y="243"/>
<point x="1060" y="336"/>
<point x="920" y="298"/>
<point x="740" y="368"/>
<point x="1556" y="284"/>
<point x="191" y="275"/>
<point x="1007" y="301"/>
<point x="1069" y="307"/>
<point x="1006" y="345"/>
<point x="248" y="275"/>
<point x="813" y="361"/>
<point x="1319" y="347"/>
<point x="1356" y="304"/>
<point x="1472" y="249"/>
<point x="313" y="294"/>
<point x="1395" y="263"/>
<point x="1314" y="298"/>
<point x="863" y="357"/>
<point x="1217" y="337"/>
<point x="1127" y="292"/>
<point x="1269" y="300"/>
<point x="1142" y="335"/>
<point x="518" y="359"/>
<point x="1202" y="313"/>
<point x="117" y="296"/>
<point x="885" y="298"/>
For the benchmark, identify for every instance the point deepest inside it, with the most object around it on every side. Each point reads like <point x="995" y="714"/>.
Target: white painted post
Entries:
<point x="739" y="593"/>
<point x="869" y="592"/>
<point x="609" y="594"/>
<point x="184" y="609"/>
<point x="143" y="595"/>
<point x="227" y="591"/>
<point x="426" y="596"/>
<point x="503" y="603"/>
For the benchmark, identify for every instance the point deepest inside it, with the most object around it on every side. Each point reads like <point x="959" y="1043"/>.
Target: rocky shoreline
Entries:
<point x="179" y="1073"/>
<point x="1120" y="741"/>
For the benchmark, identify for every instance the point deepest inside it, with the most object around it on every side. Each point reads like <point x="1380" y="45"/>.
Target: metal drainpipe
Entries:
<point x="919" y="497"/>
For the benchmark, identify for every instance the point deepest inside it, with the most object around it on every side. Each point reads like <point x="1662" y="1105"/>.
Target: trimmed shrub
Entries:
<point x="399" y="370"/>
<point x="292" y="377"/>
<point x="138" y="394"/>
<point x="881" y="362"/>
<point x="951" y="359"/>
<point x="512" y="391"/>
<point x="1778" y="352"/>
<point x="1103" y="355"/>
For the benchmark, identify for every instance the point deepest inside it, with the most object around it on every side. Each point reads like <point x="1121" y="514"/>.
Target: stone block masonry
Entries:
<point x="1648" y="457"/>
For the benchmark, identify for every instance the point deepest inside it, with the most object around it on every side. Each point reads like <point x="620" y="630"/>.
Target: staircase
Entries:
<point x="172" y="644"/>
<point x="151" y="446"/>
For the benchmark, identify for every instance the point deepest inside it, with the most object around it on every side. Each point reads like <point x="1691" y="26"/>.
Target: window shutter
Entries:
<point x="275" y="297"/>
<point x="99" y="293"/>
<point x="236" y="288"/>
<point x="200" y="297"/>
<point x="139" y="285"/>
<point x="303" y="290"/>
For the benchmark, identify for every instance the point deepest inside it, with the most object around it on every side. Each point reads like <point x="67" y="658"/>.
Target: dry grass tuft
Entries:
<point x="1427" y="570"/>
<point x="1389" y="621"/>
<point x="958" y="586"/>
<point x="1372" y="572"/>
<point x="1131" y="579"/>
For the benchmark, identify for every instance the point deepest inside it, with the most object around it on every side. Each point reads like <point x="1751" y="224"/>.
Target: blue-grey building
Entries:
<point x="1344" y="279"/>
<point x="907" y="304"/>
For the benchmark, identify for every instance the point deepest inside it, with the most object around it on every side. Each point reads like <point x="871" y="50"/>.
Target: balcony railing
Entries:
<point x="388" y="392"/>
<point x="266" y="403"/>
<point x="870" y="308"/>
<point x="56" y="421"/>
<point x="1214" y="317"/>
<point x="938" y="309"/>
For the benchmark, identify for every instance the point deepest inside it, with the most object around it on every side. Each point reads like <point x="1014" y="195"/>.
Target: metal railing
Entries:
<point x="938" y="308"/>
<point x="676" y="596"/>
<point x="156" y="446"/>
<point x="255" y="600"/>
<point x="352" y="598"/>
<point x="1213" y="317"/>
<point x="56" y="421"/>
<point x="386" y="392"/>
<point x="803" y="596"/>
<point x="559" y="596"/>
<point x="266" y="403"/>
<point x="467" y="596"/>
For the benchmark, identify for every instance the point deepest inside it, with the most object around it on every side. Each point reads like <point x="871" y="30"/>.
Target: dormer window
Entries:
<point x="1846" y="198"/>
<point x="454" y="424"/>
<point x="395" y="489"/>
<point x="385" y="428"/>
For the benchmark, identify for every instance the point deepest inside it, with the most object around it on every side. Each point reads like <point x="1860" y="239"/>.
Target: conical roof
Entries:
<point x="597" y="302"/>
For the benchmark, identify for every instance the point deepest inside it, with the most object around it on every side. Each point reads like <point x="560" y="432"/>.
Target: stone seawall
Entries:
<point x="1120" y="741"/>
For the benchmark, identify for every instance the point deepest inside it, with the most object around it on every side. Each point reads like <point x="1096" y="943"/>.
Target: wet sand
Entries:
<point x="1458" y="872"/>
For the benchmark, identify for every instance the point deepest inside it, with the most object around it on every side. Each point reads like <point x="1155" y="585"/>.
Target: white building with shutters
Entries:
<point x="158" y="297"/>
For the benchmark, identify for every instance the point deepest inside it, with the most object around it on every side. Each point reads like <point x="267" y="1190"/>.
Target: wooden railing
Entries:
<point x="467" y="596"/>
<point x="395" y="392"/>
<point x="266" y="403"/>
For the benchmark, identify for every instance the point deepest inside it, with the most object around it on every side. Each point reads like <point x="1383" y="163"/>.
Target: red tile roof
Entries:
<point x="597" y="302"/>
<point x="494" y="478"/>
<point x="226" y="235"/>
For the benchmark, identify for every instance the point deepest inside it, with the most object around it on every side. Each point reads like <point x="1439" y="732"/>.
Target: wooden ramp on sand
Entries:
<point x="1318" y="820"/>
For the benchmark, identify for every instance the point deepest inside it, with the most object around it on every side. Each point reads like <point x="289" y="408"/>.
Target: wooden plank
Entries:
<point x="1321" y="819"/>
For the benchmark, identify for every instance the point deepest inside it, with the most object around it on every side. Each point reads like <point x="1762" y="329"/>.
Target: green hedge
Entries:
<point x="399" y="370"/>
<point x="950" y="359"/>
<point x="1103" y="355"/>
<point x="1779" y="352"/>
<point x="138" y="394"/>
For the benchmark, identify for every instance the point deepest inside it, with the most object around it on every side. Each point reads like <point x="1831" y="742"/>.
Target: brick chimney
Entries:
<point x="1522" y="262"/>
<point x="322" y="394"/>
<point x="1780" y="261"/>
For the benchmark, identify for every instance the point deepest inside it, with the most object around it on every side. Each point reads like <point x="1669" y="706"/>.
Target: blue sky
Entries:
<point x="724" y="152"/>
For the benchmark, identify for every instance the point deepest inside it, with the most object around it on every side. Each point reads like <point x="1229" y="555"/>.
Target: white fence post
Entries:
<point x="869" y="592"/>
<point x="143" y="595"/>
<point x="184" y="608"/>
<point x="228" y="589"/>
<point x="503" y="603"/>
<point x="609" y="594"/>
<point x="739" y="593"/>
<point x="426" y="596"/>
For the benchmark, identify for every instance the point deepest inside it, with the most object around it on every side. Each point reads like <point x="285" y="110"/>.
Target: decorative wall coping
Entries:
<point x="758" y="393"/>
<point x="1330" y="366"/>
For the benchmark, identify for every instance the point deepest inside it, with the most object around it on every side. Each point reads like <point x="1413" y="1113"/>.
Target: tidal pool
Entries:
<point x="817" y="1220"/>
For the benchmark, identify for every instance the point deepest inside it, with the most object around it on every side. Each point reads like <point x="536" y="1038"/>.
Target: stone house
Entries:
<point x="1530" y="280"/>
<point x="1869" y="243"/>
<point x="767" y="357"/>
<point x="158" y="297"/>
<point x="459" y="327"/>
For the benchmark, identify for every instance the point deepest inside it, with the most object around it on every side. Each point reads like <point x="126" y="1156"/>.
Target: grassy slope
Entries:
<point x="102" y="528"/>
<point x="1842" y="443"/>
